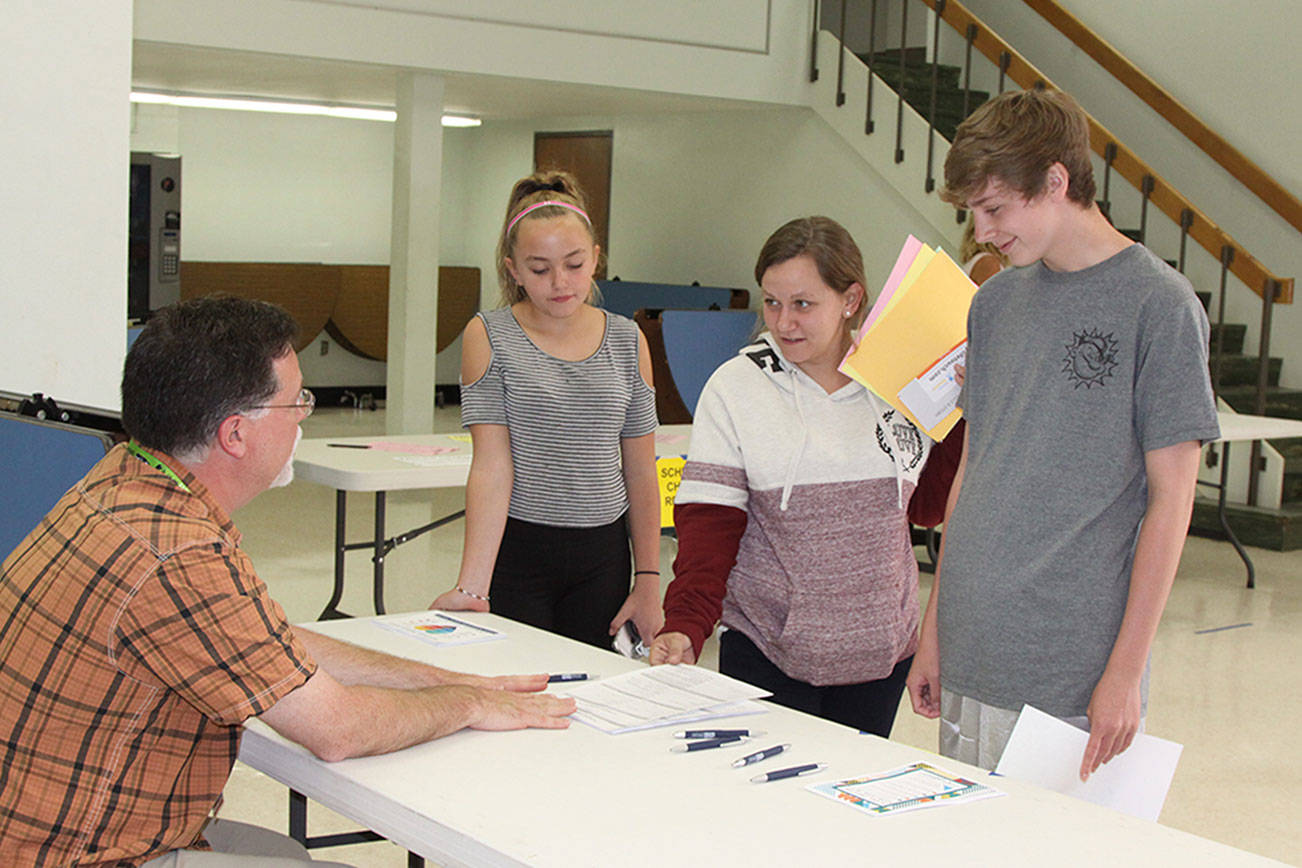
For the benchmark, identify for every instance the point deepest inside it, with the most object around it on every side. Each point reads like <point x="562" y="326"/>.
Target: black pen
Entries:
<point x="716" y="733"/>
<point x="793" y="772"/>
<point x="350" y="445"/>
<point x="707" y="744"/>
<point x="759" y="755"/>
<point x="567" y="676"/>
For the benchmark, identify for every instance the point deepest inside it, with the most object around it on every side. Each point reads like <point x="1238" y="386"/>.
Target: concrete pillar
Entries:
<point x="414" y="257"/>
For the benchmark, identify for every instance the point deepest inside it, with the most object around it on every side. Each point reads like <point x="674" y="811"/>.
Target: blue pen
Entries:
<point x="793" y="772"/>
<point x="716" y="733"/>
<point x="759" y="755"/>
<point x="567" y="676"/>
<point x="707" y="744"/>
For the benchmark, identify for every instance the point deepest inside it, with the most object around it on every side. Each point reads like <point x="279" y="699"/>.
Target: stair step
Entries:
<point x="1276" y="529"/>
<point x="1234" y="334"/>
<point x="919" y="76"/>
<point x="1285" y="403"/>
<point x="1241" y="370"/>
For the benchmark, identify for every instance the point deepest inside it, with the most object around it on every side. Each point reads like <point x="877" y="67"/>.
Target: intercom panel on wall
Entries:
<point x="153" y="233"/>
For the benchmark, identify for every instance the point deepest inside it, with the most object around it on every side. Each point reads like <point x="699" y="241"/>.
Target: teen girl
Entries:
<point x="792" y="515"/>
<point x="557" y="396"/>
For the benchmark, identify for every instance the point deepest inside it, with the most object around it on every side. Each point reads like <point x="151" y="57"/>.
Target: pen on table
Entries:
<point x="793" y="772"/>
<point x="707" y="744"/>
<point x="717" y="733"/>
<point x="350" y="445"/>
<point x="567" y="676"/>
<point x="759" y="755"/>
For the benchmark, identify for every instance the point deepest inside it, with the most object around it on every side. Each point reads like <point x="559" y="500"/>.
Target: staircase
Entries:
<point x="1278" y="529"/>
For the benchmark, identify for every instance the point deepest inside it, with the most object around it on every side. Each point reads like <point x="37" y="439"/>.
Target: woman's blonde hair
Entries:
<point x="529" y="194"/>
<point x="829" y="245"/>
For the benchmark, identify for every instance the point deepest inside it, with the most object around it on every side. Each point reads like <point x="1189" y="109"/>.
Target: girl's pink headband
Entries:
<point x="535" y="206"/>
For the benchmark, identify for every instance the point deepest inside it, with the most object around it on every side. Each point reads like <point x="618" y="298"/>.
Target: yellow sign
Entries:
<point x="670" y="472"/>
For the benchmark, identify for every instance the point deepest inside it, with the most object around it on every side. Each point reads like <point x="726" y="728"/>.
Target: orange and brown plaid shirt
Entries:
<point x="135" y="638"/>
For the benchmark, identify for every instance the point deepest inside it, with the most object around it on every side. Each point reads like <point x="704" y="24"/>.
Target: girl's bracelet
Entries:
<point x="472" y="595"/>
<point x="646" y="572"/>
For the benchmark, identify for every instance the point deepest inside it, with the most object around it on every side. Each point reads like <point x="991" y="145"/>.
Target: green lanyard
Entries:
<point x="139" y="451"/>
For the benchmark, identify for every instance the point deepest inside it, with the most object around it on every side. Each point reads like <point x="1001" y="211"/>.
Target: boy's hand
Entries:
<point x="924" y="677"/>
<point x="1114" y="719"/>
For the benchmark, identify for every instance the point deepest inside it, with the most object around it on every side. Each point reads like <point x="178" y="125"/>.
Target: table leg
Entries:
<point x="380" y="549"/>
<point x="1225" y="524"/>
<point x="298" y="817"/>
<point x="331" y="610"/>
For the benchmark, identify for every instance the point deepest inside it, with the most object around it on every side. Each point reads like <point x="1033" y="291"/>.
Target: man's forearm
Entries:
<point x="352" y="664"/>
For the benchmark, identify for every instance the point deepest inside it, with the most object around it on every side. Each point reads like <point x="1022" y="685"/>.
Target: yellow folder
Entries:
<point x="925" y="321"/>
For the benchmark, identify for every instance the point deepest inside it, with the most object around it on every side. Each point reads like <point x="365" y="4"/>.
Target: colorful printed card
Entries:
<point x="439" y="628"/>
<point x="907" y="788"/>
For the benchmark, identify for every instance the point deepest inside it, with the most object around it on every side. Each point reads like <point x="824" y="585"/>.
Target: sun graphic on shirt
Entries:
<point x="1091" y="358"/>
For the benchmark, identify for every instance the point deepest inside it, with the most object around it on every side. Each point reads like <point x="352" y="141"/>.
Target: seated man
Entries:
<point x="137" y="637"/>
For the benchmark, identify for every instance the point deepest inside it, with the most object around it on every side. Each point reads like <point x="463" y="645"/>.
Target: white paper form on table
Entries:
<point x="1047" y="751"/>
<point x="660" y="696"/>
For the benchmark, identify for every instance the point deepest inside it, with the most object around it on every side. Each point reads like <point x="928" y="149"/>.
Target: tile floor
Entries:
<point x="1227" y="695"/>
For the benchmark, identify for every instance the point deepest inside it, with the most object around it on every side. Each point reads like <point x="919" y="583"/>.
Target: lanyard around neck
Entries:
<point x="139" y="451"/>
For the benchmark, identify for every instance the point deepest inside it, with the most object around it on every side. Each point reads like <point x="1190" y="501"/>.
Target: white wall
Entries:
<point x="65" y="72"/>
<point x="717" y="50"/>
<point x="693" y="197"/>
<point x="288" y="188"/>
<point x="1237" y="67"/>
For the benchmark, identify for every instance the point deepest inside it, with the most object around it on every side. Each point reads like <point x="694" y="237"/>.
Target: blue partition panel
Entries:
<point x="39" y="461"/>
<point x="627" y="297"/>
<point x="698" y="341"/>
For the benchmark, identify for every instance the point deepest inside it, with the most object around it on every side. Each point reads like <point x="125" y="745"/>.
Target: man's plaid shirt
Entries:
<point x="135" y="638"/>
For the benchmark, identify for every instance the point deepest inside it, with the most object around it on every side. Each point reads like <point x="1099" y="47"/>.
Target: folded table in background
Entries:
<point x="580" y="797"/>
<point x="401" y="463"/>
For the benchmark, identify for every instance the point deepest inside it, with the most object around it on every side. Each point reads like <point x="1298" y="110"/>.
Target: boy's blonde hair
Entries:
<point x="1015" y="138"/>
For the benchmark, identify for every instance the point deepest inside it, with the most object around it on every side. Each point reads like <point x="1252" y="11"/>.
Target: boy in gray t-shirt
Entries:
<point x="1087" y="399"/>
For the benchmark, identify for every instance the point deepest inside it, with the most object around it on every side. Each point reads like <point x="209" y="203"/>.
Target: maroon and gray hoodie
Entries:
<point x="792" y="520"/>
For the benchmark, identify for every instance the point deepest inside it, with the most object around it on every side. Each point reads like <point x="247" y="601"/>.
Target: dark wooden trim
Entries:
<point x="1127" y="164"/>
<point x="1173" y="111"/>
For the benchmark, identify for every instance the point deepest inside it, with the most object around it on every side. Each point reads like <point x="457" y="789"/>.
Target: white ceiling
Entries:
<point x="211" y="71"/>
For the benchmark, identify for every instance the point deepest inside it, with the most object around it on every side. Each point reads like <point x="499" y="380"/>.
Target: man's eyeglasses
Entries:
<point x="306" y="404"/>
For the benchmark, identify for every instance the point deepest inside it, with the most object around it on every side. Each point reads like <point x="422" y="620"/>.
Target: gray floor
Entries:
<point x="1225" y="695"/>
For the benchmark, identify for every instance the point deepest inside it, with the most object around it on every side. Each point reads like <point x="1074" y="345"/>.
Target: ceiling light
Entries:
<point x="285" y="107"/>
<point x="461" y="121"/>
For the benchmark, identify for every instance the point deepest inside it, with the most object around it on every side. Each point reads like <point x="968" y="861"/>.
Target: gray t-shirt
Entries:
<point x="1072" y="377"/>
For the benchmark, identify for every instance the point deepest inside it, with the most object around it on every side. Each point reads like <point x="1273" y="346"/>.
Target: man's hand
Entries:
<point x="924" y="677"/>
<point x="1114" y="719"/>
<point x="457" y="600"/>
<point x="509" y="683"/>
<point x="672" y="648"/>
<point x="501" y="710"/>
<point x="643" y="608"/>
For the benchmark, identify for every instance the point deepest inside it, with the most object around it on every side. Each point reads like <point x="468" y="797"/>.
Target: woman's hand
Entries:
<point x="672" y="648"/>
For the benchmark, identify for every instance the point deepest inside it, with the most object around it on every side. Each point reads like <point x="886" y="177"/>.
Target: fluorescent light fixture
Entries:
<point x="283" y="107"/>
<point x="461" y="121"/>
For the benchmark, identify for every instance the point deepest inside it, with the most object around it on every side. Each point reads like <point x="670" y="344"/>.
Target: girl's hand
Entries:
<point x="456" y="600"/>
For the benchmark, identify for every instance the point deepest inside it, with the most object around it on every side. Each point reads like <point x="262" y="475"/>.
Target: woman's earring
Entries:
<point x="848" y="313"/>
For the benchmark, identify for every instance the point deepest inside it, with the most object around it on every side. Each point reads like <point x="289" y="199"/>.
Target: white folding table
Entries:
<point x="433" y="461"/>
<point x="579" y="797"/>
<point x="1237" y="428"/>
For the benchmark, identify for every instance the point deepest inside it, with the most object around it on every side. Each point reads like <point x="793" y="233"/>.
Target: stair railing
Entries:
<point x="1244" y="170"/>
<point x="1117" y="158"/>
